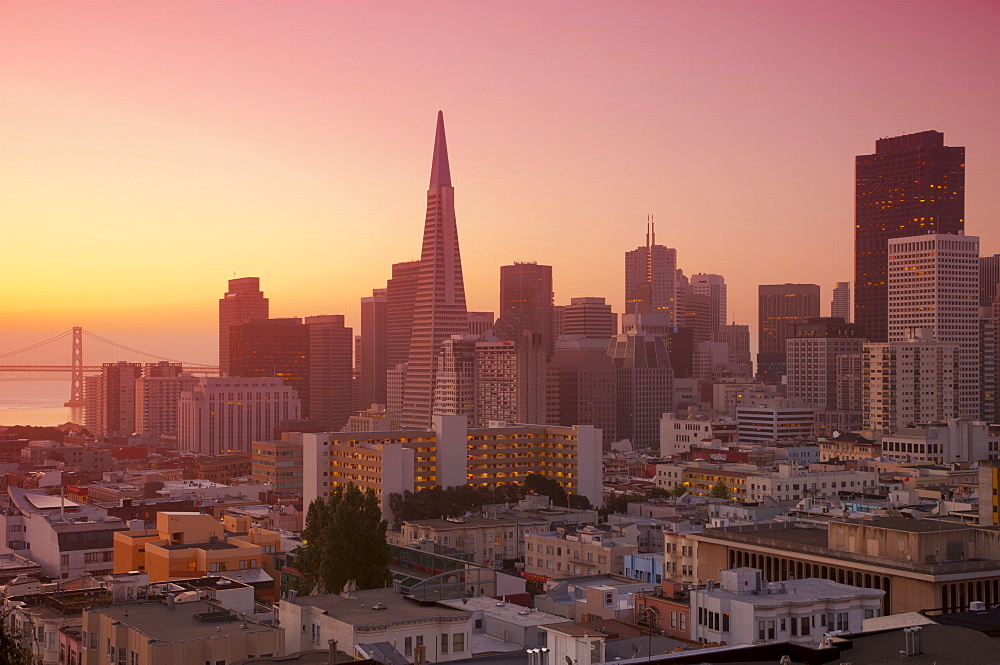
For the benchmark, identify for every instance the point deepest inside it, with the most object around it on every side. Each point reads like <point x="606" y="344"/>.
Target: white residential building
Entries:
<point x="678" y="434"/>
<point x="956" y="440"/>
<point x="909" y="382"/>
<point x="789" y="483"/>
<point x="934" y="284"/>
<point x="743" y="610"/>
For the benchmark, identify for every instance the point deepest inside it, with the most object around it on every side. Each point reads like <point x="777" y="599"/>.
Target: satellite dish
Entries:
<point x="569" y="661"/>
<point x="465" y="601"/>
<point x="635" y="649"/>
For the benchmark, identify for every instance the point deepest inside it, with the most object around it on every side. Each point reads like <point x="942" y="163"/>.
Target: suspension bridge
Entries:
<point x="50" y="354"/>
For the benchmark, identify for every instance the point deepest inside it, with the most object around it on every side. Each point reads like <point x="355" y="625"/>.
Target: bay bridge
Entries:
<point x="49" y="355"/>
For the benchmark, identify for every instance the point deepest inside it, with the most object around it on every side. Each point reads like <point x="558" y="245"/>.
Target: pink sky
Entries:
<point x="152" y="150"/>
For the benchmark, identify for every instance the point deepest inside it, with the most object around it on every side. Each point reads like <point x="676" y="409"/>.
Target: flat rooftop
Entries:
<point x="806" y="590"/>
<point x="508" y="612"/>
<point x="178" y="624"/>
<point x="358" y="611"/>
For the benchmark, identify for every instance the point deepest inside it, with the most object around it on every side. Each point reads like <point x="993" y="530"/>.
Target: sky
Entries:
<point x="150" y="151"/>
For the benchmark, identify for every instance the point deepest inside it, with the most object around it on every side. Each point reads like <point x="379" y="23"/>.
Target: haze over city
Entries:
<point x="152" y="151"/>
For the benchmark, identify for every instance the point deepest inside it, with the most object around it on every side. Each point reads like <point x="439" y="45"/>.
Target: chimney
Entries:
<point x="332" y="657"/>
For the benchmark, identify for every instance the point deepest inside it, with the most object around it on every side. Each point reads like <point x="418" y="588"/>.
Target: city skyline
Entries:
<point x="183" y="159"/>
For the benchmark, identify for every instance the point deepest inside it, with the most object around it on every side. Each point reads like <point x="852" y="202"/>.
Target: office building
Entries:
<point x="913" y="184"/>
<point x="651" y="278"/>
<point x="765" y="419"/>
<point x="400" y="296"/>
<point x="584" y="380"/>
<point x="812" y="352"/>
<point x="713" y="286"/>
<point x="909" y="382"/>
<point x="526" y="302"/>
<point x="244" y="301"/>
<point x="678" y="434"/>
<point x="934" y="285"/>
<point x="278" y="464"/>
<point x="272" y="348"/>
<point x="694" y="312"/>
<point x="588" y="550"/>
<point x="439" y="306"/>
<point x="840" y="305"/>
<point x="373" y="361"/>
<point x="737" y="337"/>
<point x="645" y="386"/>
<point x="989" y="279"/>
<point x="227" y="414"/>
<point x="330" y="383"/>
<point x="480" y="323"/>
<point x="587" y="317"/>
<point x="779" y="307"/>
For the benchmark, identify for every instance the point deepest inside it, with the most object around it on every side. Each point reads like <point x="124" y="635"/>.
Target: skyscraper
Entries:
<point x="989" y="279"/>
<point x="242" y="302"/>
<point x="651" y="278"/>
<point x="913" y="184"/>
<point x="713" y="286"/>
<point x="400" y="295"/>
<point x="590" y="317"/>
<point x="840" y="306"/>
<point x="330" y="341"/>
<point x="526" y="302"/>
<point x="645" y="383"/>
<point x="439" y="306"/>
<point x="934" y="285"/>
<point x="373" y="359"/>
<point x="779" y="307"/>
<point x="272" y="348"/>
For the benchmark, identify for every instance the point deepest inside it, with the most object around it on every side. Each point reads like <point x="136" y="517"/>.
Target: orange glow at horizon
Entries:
<point x="153" y="150"/>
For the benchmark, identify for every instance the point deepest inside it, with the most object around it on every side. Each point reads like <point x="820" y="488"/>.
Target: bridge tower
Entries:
<point x="76" y="373"/>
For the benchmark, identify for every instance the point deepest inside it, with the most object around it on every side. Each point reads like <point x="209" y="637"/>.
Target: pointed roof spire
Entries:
<point x="440" y="172"/>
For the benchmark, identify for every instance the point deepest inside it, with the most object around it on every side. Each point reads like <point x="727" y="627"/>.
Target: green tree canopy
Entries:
<point x="720" y="490"/>
<point x="344" y="539"/>
<point x="679" y="490"/>
<point x="14" y="649"/>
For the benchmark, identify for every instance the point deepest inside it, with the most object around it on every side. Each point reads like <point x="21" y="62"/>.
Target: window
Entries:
<point x="444" y="642"/>
<point x="805" y="625"/>
<point x="63" y="559"/>
<point x="458" y="643"/>
<point x="407" y="646"/>
<point x="760" y="629"/>
<point x="192" y="565"/>
<point x="684" y="621"/>
<point x="673" y="618"/>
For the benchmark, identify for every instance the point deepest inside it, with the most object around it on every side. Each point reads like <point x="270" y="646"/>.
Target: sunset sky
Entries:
<point x="150" y="151"/>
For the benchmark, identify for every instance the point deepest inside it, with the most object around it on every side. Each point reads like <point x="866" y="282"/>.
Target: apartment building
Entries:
<point x="678" y="434"/>
<point x="590" y="550"/>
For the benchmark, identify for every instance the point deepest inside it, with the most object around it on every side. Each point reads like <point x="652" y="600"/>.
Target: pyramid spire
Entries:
<point x="440" y="171"/>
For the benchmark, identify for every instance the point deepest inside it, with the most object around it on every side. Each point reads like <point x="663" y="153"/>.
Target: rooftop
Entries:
<point x="358" y="610"/>
<point x="177" y="624"/>
<point x="509" y="612"/>
<point x="807" y="590"/>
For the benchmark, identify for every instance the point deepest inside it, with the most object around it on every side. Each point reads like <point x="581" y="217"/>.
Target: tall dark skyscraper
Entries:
<point x="400" y="295"/>
<point x="779" y="308"/>
<point x="526" y="302"/>
<point x="330" y="383"/>
<point x="372" y="360"/>
<point x="273" y="348"/>
<point x="439" y="306"/>
<point x="912" y="185"/>
<point x="242" y="302"/>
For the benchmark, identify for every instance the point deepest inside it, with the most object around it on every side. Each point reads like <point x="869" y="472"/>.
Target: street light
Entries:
<point x="651" y="618"/>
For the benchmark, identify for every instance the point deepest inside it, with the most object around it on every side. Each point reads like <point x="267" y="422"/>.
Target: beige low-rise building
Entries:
<point x="590" y="550"/>
<point x="171" y="633"/>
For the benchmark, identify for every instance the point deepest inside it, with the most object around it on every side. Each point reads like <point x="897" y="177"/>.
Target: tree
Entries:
<point x="720" y="490"/>
<point x="13" y="649"/>
<point x="344" y="539"/>
<point x="679" y="490"/>
<point x="618" y="503"/>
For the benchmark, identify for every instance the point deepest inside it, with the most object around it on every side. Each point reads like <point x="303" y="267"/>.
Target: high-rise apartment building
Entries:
<point x="645" y="384"/>
<point x="227" y="414"/>
<point x="934" y="285"/>
<point x="156" y="398"/>
<point x="913" y="184"/>
<point x="651" y="277"/>
<point x="330" y="381"/>
<point x="243" y="302"/>
<point x="439" y="306"/>
<point x="840" y="305"/>
<point x="373" y="360"/>
<point x="713" y="286"/>
<point x="116" y="400"/>
<point x="272" y="347"/>
<point x="909" y="382"/>
<point x="779" y="307"/>
<point x="526" y="302"/>
<point x="455" y="380"/>
<point x="812" y="353"/>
